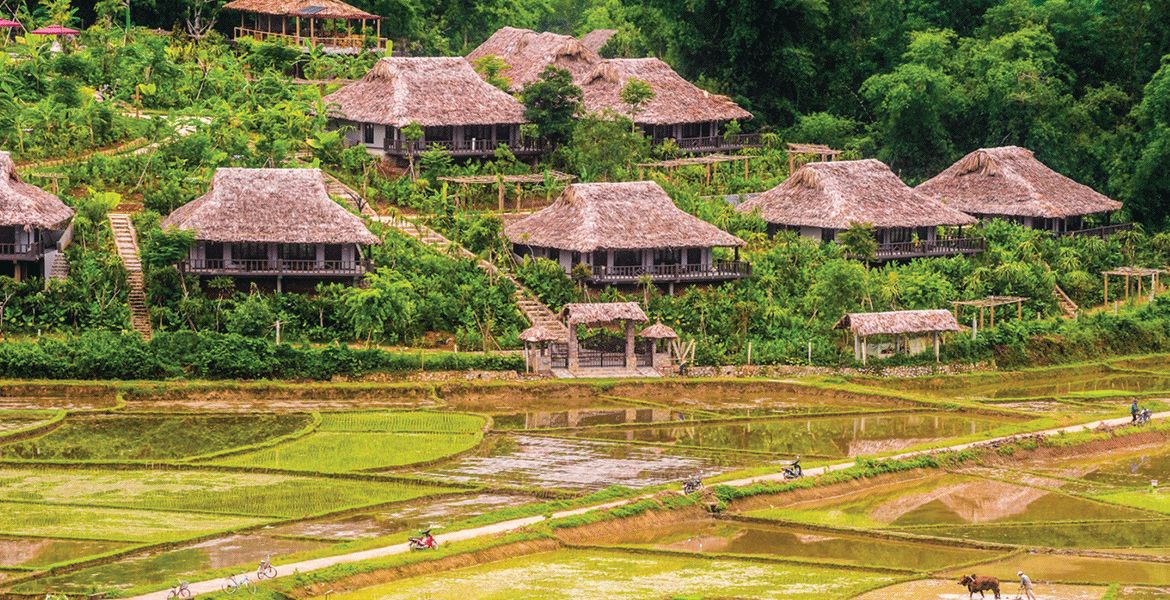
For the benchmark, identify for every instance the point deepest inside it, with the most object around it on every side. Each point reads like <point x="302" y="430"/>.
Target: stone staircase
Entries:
<point x="60" y="269"/>
<point x="355" y="200"/>
<point x="1069" y="307"/>
<point x="532" y="308"/>
<point x="127" y="244"/>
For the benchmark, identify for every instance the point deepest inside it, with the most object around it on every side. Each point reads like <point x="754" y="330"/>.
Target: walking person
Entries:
<point x="1026" y="585"/>
<point x="1133" y="410"/>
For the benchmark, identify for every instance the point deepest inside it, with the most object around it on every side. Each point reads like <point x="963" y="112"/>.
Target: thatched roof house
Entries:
<point x="898" y="322"/>
<point x="1009" y="182"/>
<point x="430" y="91"/>
<point x="300" y="21"/>
<point x="595" y="40"/>
<point x="287" y="206"/>
<point x="528" y="53"/>
<point x="321" y="9"/>
<point x="595" y="314"/>
<point x="676" y="100"/>
<point x="27" y="206"/>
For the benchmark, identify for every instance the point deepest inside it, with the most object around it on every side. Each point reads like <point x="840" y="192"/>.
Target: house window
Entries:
<point x="828" y="235"/>
<point x="692" y="130"/>
<point x="213" y="251"/>
<point x="694" y="256"/>
<point x="249" y="251"/>
<point x="298" y="251"/>
<point x="368" y="133"/>
<point x="627" y="258"/>
<point x="333" y="252"/>
<point x="554" y="255"/>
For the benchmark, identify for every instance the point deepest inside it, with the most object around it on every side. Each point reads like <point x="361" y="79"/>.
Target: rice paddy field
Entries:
<point x="117" y="499"/>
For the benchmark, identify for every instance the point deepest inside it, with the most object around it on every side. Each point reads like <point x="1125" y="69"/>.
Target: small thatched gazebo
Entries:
<point x="536" y="337"/>
<point x="654" y="333"/>
<point x="679" y="111"/>
<point x="595" y="40"/>
<point x="32" y="222"/>
<point x="602" y="314"/>
<point x="456" y="109"/>
<point x="1009" y="183"/>
<point x="820" y="200"/>
<point x="624" y="231"/>
<point x="896" y="323"/>
<point x="330" y="23"/>
<point x="272" y="223"/>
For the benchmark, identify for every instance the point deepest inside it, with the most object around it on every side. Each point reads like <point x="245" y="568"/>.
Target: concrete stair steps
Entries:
<point x="126" y="242"/>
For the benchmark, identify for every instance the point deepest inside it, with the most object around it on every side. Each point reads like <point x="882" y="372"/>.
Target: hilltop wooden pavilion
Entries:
<point x="32" y="225"/>
<point x="1008" y="183"/>
<point x="272" y="224"/>
<point x="328" y="22"/>
<point x="820" y="200"/>
<point x="897" y="324"/>
<point x="457" y="110"/>
<point x="623" y="232"/>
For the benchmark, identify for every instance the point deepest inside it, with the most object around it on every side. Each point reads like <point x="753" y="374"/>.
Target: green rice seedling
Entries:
<point x="335" y="452"/>
<point x="113" y="524"/>
<point x="402" y="422"/>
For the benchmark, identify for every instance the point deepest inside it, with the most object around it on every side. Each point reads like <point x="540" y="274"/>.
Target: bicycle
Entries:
<point x="180" y="591"/>
<point x="266" y="569"/>
<point x="232" y="585"/>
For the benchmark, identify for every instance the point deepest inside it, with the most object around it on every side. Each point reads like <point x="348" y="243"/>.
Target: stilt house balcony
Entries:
<point x="471" y="147"/>
<point x="33" y="251"/>
<point x="721" y="270"/>
<point x="713" y="143"/>
<point x="1097" y="232"/>
<point x="923" y="248"/>
<point x="301" y="268"/>
<point x="350" y="41"/>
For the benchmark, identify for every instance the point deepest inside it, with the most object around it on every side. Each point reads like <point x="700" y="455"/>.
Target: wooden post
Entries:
<point x="501" y="186"/>
<point x="640" y="173"/>
<point x="1127" y="287"/>
<point x="993" y="316"/>
<point x="298" y="34"/>
<point x="1020" y="309"/>
<point x="864" y="350"/>
<point x="745" y="167"/>
<point x="936" y="336"/>
<point x="982" y="315"/>
<point x="518" y="193"/>
<point x="1106" y="276"/>
<point x="856" y="347"/>
<point x="378" y="24"/>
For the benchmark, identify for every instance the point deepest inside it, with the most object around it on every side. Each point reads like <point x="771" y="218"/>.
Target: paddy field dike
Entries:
<point x="573" y="490"/>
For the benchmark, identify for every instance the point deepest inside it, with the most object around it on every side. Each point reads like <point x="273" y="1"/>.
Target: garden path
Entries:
<point x="127" y="244"/>
<point x="204" y="587"/>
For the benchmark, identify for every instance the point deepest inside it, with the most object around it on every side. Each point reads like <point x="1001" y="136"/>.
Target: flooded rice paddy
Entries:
<point x="44" y="552"/>
<point x="408" y="518"/>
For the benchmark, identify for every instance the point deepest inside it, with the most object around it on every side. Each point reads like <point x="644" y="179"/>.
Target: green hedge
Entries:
<point x="108" y="355"/>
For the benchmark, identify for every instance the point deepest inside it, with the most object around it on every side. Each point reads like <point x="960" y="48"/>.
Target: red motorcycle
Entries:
<point x="424" y="541"/>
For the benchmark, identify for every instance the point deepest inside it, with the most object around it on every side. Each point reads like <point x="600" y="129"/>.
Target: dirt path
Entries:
<point x="204" y="587"/>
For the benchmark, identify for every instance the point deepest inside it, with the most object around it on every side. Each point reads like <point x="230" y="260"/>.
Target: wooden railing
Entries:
<point x="354" y="41"/>
<point x="1099" y="232"/>
<point x="282" y="266"/>
<point x="941" y="247"/>
<point x="714" y="142"/>
<point x="22" y="251"/>
<point x="722" y="269"/>
<point x="465" y="147"/>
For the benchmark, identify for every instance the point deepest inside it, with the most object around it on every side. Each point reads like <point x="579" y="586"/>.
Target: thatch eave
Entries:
<point x="26" y="205"/>
<point x="898" y="322"/>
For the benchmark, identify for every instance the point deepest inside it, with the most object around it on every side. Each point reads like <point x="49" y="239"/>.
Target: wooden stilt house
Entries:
<point x="624" y="231"/>
<point x="32" y="225"/>
<point x="457" y="110"/>
<point x="331" y="23"/>
<point x="273" y="225"/>
<point x="820" y="200"/>
<point x="1008" y="183"/>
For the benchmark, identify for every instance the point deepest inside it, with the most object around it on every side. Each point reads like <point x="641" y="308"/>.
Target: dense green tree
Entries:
<point x="552" y="103"/>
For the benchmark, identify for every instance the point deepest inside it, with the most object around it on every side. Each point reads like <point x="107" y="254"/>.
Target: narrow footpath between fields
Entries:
<point x="213" y="585"/>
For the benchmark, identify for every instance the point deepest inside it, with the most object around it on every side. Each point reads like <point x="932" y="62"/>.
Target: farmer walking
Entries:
<point x="1026" y="585"/>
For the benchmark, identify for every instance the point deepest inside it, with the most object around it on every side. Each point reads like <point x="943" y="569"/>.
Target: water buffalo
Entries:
<point x="979" y="583"/>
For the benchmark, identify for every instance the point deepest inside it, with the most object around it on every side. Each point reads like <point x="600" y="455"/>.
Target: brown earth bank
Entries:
<point x="1114" y="442"/>
<point x="455" y="561"/>
<point x="782" y="499"/>
<point x="601" y="530"/>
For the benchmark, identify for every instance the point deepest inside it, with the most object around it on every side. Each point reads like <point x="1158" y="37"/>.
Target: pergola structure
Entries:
<point x="1136" y="273"/>
<point x="826" y="153"/>
<point x="712" y="161"/>
<point x="500" y="180"/>
<point x="991" y="302"/>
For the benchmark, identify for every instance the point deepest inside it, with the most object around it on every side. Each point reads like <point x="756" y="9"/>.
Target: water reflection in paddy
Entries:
<point x="819" y="436"/>
<point x="738" y="538"/>
<point x="42" y="552"/>
<point x="404" y="518"/>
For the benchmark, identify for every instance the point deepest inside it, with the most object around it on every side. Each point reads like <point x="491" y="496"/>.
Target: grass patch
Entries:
<point x="1143" y="499"/>
<point x="337" y="452"/>
<point x="119" y="437"/>
<point x="113" y="524"/>
<point x="402" y="422"/>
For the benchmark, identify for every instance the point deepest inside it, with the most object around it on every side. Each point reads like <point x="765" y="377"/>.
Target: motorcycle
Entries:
<point x="1143" y="416"/>
<point x="793" y="471"/>
<point x="692" y="485"/>
<point x="424" y="541"/>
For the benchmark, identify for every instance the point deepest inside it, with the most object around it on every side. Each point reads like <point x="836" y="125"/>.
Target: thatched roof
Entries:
<point x="320" y="9"/>
<point x="429" y="91"/>
<point x="528" y="53"/>
<point x="616" y="216"/>
<point x="676" y="100"/>
<point x="537" y="333"/>
<point x="1010" y="181"/>
<point x="25" y="204"/>
<point x="834" y="195"/>
<point x="602" y="313"/>
<point x="658" y="331"/>
<point x="596" y="39"/>
<point x="898" y="321"/>
<point x="270" y="205"/>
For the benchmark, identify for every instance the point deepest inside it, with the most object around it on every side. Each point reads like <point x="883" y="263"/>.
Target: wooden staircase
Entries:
<point x="127" y="244"/>
<point x="1069" y="307"/>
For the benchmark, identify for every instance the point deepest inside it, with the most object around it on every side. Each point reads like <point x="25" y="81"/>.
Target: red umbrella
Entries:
<point x="7" y="23"/>
<point x="55" y="30"/>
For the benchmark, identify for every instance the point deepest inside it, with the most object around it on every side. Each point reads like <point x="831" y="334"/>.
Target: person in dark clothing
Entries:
<point x="1134" y="410"/>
